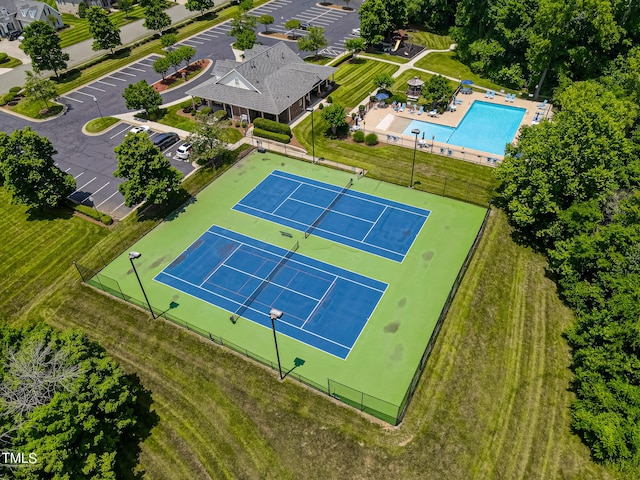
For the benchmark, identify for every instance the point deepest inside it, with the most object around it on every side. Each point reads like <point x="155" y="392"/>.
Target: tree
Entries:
<point x="106" y="36"/>
<point x="437" y="89"/>
<point x="334" y="115"/>
<point x="375" y="22"/>
<point x="42" y="44"/>
<point x="266" y="20"/>
<point x="175" y="59"/>
<point x="161" y="66"/>
<point x="294" y="25"/>
<point x="149" y="174"/>
<point x="354" y="45"/>
<point x="39" y="89"/>
<point x="168" y="40"/>
<point x="202" y="5"/>
<point x="155" y="17"/>
<point x="245" y="6"/>
<point x="142" y="96"/>
<point x="397" y="11"/>
<point x="383" y="81"/>
<point x="82" y="10"/>
<point x="186" y="53"/>
<point x="314" y="41"/>
<point x="29" y="171"/>
<point x="126" y="6"/>
<point x="206" y="140"/>
<point x="63" y="398"/>
<point x="245" y="40"/>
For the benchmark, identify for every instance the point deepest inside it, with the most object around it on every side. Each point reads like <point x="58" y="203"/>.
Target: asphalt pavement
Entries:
<point x="91" y="159"/>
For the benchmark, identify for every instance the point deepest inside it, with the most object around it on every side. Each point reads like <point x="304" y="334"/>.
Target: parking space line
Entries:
<point x="137" y="69"/>
<point x="87" y="94"/>
<point x="121" y="131"/>
<point x="107" y="199"/>
<point x="78" y="176"/>
<point x="125" y="73"/>
<point x="116" y="78"/>
<point x="78" y="189"/>
<point x="72" y="99"/>
<point x="106" y="83"/>
<point x="67" y="170"/>
<point x="121" y="205"/>
<point x="144" y="65"/>
<point x="193" y="41"/>
<point x="96" y="191"/>
<point x="94" y="88"/>
<point x="204" y="34"/>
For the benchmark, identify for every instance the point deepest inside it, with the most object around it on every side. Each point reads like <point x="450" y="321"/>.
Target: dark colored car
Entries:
<point x="306" y="26"/>
<point x="165" y="140"/>
<point x="14" y="35"/>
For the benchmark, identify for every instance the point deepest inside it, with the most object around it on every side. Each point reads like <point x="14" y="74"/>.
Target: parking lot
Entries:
<point x="95" y="184"/>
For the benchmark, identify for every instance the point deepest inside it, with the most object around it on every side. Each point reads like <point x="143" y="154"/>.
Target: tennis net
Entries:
<point x="317" y="221"/>
<point x="247" y="303"/>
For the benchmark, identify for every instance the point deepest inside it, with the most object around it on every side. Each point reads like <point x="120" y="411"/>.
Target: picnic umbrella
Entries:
<point x="467" y="82"/>
<point x="382" y="96"/>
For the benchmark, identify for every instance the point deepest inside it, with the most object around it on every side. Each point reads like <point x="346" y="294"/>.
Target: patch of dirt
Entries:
<point x="281" y="36"/>
<point x="334" y="6"/>
<point x="169" y="80"/>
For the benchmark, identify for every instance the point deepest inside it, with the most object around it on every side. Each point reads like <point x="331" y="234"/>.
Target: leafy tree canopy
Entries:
<point x="313" y="41"/>
<point x="106" y="36"/>
<point x="202" y="5"/>
<point x="375" y="22"/>
<point x="149" y="174"/>
<point x="334" y="116"/>
<point x="206" y="140"/>
<point x="42" y="44"/>
<point x="142" y="96"/>
<point x="383" y="81"/>
<point x="155" y="17"/>
<point x="29" y="171"/>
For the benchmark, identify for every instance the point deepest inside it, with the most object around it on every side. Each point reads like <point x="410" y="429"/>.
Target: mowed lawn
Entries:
<point x="492" y="403"/>
<point x="355" y="80"/>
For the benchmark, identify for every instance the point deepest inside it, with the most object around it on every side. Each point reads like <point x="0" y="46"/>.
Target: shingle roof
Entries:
<point x="270" y="79"/>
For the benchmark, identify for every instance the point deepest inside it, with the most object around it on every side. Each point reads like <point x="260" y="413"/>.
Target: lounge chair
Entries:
<point x="507" y="97"/>
<point x="450" y="152"/>
<point x="421" y="110"/>
<point x="543" y="104"/>
<point x="433" y="113"/>
<point x="442" y="150"/>
<point x="487" y="93"/>
<point x="493" y="94"/>
<point x="453" y="107"/>
<point x="513" y="97"/>
<point x="402" y="107"/>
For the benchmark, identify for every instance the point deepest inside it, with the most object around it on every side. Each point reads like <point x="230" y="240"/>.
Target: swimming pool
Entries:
<point x="486" y="127"/>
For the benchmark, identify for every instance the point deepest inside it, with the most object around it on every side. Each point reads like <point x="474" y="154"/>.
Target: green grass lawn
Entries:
<point x="172" y="119"/>
<point x="354" y="80"/>
<point x="431" y="41"/>
<point x="32" y="109"/>
<point x="435" y="173"/>
<point x="492" y="402"/>
<point x="400" y="83"/>
<point x="447" y="64"/>
<point x="10" y="63"/>
<point x="79" y="27"/>
<point x="99" y="124"/>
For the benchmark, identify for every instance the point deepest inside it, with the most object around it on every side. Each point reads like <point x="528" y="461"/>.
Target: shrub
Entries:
<point x="8" y="97"/>
<point x="205" y="110"/>
<point x="329" y="99"/>
<point x="2" y="102"/>
<point x="358" y="136"/>
<point x="361" y="108"/>
<point x="244" y="124"/>
<point x="15" y="90"/>
<point x="278" y="137"/>
<point x="321" y="106"/>
<point x="91" y="212"/>
<point x="271" y="126"/>
<point x="4" y="57"/>
<point x="371" y="139"/>
<point x="187" y="109"/>
<point x="220" y="115"/>
<point x="82" y="10"/>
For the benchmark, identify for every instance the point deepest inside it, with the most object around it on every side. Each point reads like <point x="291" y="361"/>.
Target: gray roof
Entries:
<point x="269" y="80"/>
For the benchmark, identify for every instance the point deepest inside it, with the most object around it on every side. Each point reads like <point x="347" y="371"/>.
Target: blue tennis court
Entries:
<point x="324" y="306"/>
<point x="366" y="222"/>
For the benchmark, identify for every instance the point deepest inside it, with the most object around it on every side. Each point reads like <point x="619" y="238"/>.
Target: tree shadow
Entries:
<point x="129" y="447"/>
<point x="35" y="214"/>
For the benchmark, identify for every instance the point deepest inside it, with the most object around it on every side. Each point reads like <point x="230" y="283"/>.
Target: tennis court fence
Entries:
<point x="355" y="398"/>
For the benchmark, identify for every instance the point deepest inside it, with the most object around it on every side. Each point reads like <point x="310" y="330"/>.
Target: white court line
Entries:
<point x="106" y="83"/>
<point x="121" y="131"/>
<point x="326" y="292"/>
<point x="107" y="199"/>
<point x="219" y="265"/>
<point x="94" y="88"/>
<point x="374" y="223"/>
<point x="76" y="177"/>
<point x="73" y="99"/>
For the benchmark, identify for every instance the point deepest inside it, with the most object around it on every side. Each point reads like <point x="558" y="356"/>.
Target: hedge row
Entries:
<point x="271" y="126"/>
<point x="91" y="212"/>
<point x="278" y="137"/>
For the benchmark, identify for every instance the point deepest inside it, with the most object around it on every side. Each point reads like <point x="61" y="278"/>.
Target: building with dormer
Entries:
<point x="17" y="14"/>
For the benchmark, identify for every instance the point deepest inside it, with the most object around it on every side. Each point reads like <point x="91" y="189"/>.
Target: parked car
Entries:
<point x="141" y="128"/>
<point x="184" y="151"/>
<point x="355" y="31"/>
<point x="165" y="140"/>
<point x="14" y="35"/>
<point x="306" y="26"/>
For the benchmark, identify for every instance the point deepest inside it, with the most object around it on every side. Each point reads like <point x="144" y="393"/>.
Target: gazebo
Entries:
<point x="415" y="88"/>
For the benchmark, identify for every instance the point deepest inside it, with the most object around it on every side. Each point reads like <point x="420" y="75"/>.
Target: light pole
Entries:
<point x="94" y="207"/>
<point x="276" y="315"/>
<point x="313" y="137"/>
<point x="433" y="137"/>
<point x="416" y="132"/>
<point x="96" y="102"/>
<point x="132" y="256"/>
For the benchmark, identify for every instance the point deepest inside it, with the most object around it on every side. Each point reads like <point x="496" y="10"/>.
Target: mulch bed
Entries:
<point x="168" y="81"/>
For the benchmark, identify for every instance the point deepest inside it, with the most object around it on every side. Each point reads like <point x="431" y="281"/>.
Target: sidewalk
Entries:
<point x="81" y="52"/>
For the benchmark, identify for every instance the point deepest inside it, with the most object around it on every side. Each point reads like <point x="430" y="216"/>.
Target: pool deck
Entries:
<point x="389" y="124"/>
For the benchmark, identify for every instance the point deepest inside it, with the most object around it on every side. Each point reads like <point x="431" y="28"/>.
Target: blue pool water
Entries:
<point x="487" y="127"/>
